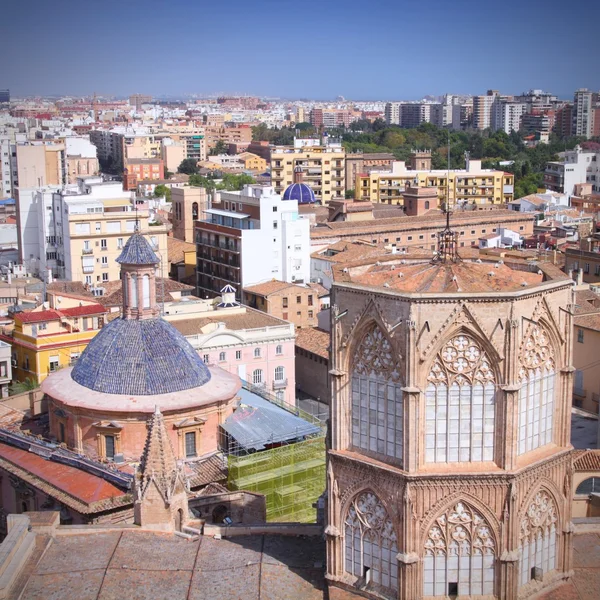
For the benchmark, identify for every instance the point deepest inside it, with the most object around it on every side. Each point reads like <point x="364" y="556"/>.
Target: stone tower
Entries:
<point x="159" y="485"/>
<point x="449" y="471"/>
<point x="188" y="206"/>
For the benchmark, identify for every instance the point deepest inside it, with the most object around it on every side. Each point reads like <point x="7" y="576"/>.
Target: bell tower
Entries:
<point x="138" y="274"/>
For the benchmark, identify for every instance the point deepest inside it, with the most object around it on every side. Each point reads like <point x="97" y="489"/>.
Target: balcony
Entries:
<point x="88" y="269"/>
<point x="87" y="251"/>
<point x="280" y="384"/>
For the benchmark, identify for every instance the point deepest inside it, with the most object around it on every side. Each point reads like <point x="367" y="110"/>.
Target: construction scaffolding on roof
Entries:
<point x="276" y="450"/>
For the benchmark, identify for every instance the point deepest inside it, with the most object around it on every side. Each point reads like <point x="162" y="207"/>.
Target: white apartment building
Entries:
<point x="483" y="108"/>
<point x="582" y="113"/>
<point x="8" y="168"/>
<point x="75" y="232"/>
<point x="253" y="236"/>
<point x="507" y="116"/>
<point x="576" y="167"/>
<point x="392" y="113"/>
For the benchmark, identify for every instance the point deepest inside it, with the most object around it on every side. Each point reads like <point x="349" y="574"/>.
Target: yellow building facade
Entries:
<point x="252" y="162"/>
<point x="46" y="339"/>
<point x="323" y="168"/>
<point x="95" y="240"/>
<point x="467" y="186"/>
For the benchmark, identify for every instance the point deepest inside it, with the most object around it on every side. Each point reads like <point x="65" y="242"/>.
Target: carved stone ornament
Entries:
<point x="376" y="357"/>
<point x="460" y="531"/>
<point x="536" y="352"/>
<point x="540" y="515"/>
<point x="368" y="514"/>
<point x="461" y="361"/>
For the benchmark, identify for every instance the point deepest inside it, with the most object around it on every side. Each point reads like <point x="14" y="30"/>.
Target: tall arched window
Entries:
<point x="195" y="211"/>
<point x="460" y="555"/>
<point x="257" y="376"/>
<point x="279" y="374"/>
<point x="376" y="397"/>
<point x="134" y="291"/>
<point x="370" y="542"/>
<point x="460" y="404"/>
<point x="538" y="538"/>
<point x="589" y="486"/>
<point x="536" y="396"/>
<point x="146" y="291"/>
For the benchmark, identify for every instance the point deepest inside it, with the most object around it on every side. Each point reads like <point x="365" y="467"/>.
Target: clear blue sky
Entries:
<point x="361" y="49"/>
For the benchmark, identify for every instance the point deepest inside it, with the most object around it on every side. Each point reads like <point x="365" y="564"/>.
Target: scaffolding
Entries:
<point x="289" y="472"/>
<point x="291" y="477"/>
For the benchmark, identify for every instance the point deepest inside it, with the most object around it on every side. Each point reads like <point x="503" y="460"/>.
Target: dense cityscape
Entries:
<point x="284" y="343"/>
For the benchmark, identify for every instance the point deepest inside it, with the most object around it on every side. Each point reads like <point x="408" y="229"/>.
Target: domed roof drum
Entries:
<point x="300" y="192"/>
<point x="139" y="357"/>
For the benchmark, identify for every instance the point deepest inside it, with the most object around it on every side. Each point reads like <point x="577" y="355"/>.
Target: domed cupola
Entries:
<point x="139" y="353"/>
<point x="299" y="191"/>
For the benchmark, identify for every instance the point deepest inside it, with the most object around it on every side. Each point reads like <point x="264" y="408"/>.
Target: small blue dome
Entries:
<point x="300" y="192"/>
<point x="144" y="357"/>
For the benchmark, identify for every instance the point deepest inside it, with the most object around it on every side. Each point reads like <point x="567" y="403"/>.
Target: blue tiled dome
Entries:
<point x="300" y="192"/>
<point x="139" y="357"/>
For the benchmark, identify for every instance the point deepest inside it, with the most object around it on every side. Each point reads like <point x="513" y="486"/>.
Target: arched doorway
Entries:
<point x="219" y="513"/>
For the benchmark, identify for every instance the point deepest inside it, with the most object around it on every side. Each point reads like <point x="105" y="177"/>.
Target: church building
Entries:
<point x="449" y="468"/>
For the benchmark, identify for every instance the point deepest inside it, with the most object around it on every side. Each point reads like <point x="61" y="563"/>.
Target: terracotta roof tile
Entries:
<point x="30" y="316"/>
<point x="586" y="460"/>
<point x="176" y="249"/>
<point x="251" y="319"/>
<point x="208" y="470"/>
<point x="314" y="340"/>
<point x="271" y="287"/>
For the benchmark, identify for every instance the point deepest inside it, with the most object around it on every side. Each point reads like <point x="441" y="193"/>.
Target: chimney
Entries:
<point x="298" y="174"/>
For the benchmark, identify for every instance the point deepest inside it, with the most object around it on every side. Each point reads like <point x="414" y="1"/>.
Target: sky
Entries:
<point x="315" y="49"/>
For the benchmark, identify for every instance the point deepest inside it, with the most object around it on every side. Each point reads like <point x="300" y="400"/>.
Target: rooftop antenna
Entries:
<point x="137" y="217"/>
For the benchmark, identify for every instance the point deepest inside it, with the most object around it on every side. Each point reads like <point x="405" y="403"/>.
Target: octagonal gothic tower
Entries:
<point x="449" y="465"/>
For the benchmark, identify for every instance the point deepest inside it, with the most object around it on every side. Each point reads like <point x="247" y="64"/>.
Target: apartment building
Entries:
<point x="583" y="113"/>
<point x="142" y="169"/>
<point x="52" y="336"/>
<point x="76" y="231"/>
<point x="241" y="134"/>
<point x="333" y="117"/>
<point x="322" y="164"/>
<point x="359" y="162"/>
<point x="472" y="185"/>
<point x="507" y="116"/>
<point x="253" y="236"/>
<point x="392" y="113"/>
<point x="290" y="302"/>
<point x="483" y="109"/>
<point x="414" y="114"/>
<point x="8" y="166"/>
<point x="577" y="166"/>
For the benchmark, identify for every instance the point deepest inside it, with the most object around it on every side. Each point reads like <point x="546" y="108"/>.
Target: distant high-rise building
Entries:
<point x="138" y="99"/>
<point x="4" y="96"/>
<point x="483" y="107"/>
<point x="506" y="116"/>
<point x="582" y="113"/>
<point x="392" y="113"/>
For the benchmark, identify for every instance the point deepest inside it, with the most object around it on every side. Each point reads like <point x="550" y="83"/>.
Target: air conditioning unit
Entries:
<point x="13" y="362"/>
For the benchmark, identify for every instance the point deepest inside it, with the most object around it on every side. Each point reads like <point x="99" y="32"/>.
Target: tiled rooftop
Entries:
<point x="176" y="249"/>
<point x="147" y="566"/>
<point x="251" y="319"/>
<point x="461" y="276"/>
<point x="271" y="287"/>
<point x="314" y="340"/>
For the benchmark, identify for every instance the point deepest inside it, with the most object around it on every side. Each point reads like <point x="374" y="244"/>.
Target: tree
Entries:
<point x="20" y="387"/>
<point x="188" y="166"/>
<point x="204" y="182"/>
<point x="168" y="174"/>
<point x="231" y="182"/>
<point x="162" y="190"/>
<point x="349" y="194"/>
<point x="220" y="147"/>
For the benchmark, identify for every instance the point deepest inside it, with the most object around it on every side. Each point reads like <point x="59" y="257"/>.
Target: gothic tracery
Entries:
<point x="375" y="356"/>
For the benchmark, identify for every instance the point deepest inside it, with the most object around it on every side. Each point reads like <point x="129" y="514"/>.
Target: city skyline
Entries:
<point x="319" y="52"/>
